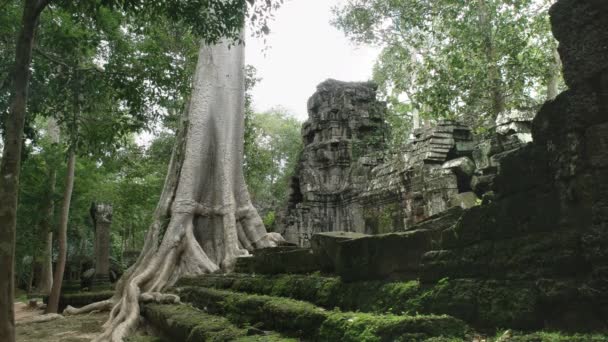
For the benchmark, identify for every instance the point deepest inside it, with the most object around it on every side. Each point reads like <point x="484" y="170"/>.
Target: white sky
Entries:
<point x="303" y="51"/>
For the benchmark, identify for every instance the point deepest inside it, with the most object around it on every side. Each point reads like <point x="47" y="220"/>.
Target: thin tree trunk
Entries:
<point x="46" y="273"/>
<point x="494" y="74"/>
<point x="204" y="219"/>
<point x="11" y="163"/>
<point x="30" y="278"/>
<point x="45" y="282"/>
<point x="554" y="76"/>
<point x="53" y="303"/>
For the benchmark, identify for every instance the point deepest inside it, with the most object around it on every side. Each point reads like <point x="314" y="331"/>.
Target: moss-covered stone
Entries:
<point x="485" y="304"/>
<point x="292" y="317"/>
<point x="278" y="260"/>
<point x="266" y="338"/>
<point x="327" y="292"/>
<point x="304" y="320"/>
<point x="325" y="245"/>
<point x="369" y="327"/>
<point x="185" y="323"/>
<point x="554" y="337"/>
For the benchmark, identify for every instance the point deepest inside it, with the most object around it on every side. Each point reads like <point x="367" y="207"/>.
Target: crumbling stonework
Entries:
<point x="343" y="183"/>
<point x="535" y="253"/>
<point x="343" y="139"/>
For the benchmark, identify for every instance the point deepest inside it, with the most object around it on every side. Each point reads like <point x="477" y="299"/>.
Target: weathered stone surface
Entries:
<point x="342" y="182"/>
<point x="325" y="245"/>
<point x="395" y="255"/>
<point x="342" y="140"/>
<point x="278" y="260"/>
<point x="101" y="214"/>
<point x="537" y="247"/>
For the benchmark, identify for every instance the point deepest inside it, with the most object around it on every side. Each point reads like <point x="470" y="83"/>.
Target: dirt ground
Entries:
<point x="79" y="328"/>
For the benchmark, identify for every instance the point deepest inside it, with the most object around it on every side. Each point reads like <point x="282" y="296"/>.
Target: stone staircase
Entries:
<point x="247" y="307"/>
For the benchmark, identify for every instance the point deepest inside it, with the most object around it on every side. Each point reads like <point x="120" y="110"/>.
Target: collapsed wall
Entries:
<point x="344" y="182"/>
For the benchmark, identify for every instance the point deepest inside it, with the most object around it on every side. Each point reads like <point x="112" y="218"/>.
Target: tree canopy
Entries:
<point x="469" y="60"/>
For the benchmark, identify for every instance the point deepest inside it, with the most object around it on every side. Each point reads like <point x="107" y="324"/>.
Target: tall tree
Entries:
<point x="466" y="60"/>
<point x="11" y="161"/>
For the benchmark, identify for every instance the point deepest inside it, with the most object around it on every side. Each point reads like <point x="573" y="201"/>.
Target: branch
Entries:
<point x="53" y="59"/>
<point x="41" y="5"/>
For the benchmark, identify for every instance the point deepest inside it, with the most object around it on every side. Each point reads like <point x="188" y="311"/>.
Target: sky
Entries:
<point x="303" y="50"/>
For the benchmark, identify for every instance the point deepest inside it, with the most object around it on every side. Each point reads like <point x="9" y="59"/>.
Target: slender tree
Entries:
<point x="45" y="282"/>
<point x="11" y="162"/>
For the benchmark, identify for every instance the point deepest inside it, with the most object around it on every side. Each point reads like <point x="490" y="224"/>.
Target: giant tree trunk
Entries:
<point x="11" y="163"/>
<point x="53" y="303"/>
<point x="204" y="219"/>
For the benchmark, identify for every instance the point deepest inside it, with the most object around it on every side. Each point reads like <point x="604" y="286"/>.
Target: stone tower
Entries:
<point x="343" y="138"/>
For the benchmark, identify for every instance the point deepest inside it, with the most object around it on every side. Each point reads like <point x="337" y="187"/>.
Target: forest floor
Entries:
<point x="78" y="328"/>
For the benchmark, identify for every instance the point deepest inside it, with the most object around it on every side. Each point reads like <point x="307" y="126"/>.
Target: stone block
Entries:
<point x="278" y="260"/>
<point x="462" y="166"/>
<point x="325" y="245"/>
<point x="386" y="256"/>
<point x="465" y="200"/>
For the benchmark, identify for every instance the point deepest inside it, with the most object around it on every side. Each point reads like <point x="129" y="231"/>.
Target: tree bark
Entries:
<point x="204" y="219"/>
<point x="11" y="163"/>
<point x="53" y="304"/>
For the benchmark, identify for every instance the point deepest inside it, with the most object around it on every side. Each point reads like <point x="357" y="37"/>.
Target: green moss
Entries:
<point x="82" y="296"/>
<point x="485" y="304"/>
<point x="185" y="323"/>
<point x="293" y="317"/>
<point x="553" y="337"/>
<point x="266" y="338"/>
<point x="327" y="292"/>
<point x="304" y="320"/>
<point x="369" y="327"/>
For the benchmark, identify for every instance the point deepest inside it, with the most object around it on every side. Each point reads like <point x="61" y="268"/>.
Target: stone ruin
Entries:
<point x="534" y="253"/>
<point x="343" y="140"/>
<point x="344" y="182"/>
<point x="532" y="256"/>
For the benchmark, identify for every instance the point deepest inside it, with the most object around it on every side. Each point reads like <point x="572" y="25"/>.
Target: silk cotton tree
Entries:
<point x="204" y="219"/>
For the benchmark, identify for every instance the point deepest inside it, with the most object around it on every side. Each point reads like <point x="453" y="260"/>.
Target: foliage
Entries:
<point x="272" y="147"/>
<point x="130" y="179"/>
<point x="468" y="60"/>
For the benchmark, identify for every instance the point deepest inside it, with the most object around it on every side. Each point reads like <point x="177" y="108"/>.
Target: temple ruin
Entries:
<point x="345" y="182"/>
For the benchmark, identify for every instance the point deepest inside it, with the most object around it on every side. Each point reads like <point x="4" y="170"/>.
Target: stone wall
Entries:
<point x="344" y="182"/>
